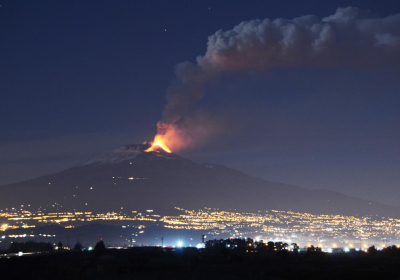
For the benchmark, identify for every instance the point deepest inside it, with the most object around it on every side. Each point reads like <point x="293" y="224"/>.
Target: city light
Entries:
<point x="335" y="231"/>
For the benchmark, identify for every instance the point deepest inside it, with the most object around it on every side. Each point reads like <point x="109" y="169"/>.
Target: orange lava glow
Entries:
<point x="157" y="144"/>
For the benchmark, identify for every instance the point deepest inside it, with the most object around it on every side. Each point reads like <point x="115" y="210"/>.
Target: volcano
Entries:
<point x="133" y="179"/>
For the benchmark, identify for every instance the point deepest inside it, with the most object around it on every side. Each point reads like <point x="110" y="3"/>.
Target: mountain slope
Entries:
<point x="136" y="180"/>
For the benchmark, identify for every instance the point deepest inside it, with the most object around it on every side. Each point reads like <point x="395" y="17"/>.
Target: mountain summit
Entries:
<point x="133" y="179"/>
<point x="126" y="153"/>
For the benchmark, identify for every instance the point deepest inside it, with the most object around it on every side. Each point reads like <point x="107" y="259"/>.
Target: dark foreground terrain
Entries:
<point x="191" y="263"/>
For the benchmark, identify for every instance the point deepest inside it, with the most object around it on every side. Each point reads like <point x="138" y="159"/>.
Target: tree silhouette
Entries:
<point x="372" y="250"/>
<point x="271" y="246"/>
<point x="100" y="246"/>
<point x="78" y="246"/>
<point x="279" y="246"/>
<point x="295" y="247"/>
<point x="311" y="249"/>
<point x="60" y="246"/>
<point x="314" y="249"/>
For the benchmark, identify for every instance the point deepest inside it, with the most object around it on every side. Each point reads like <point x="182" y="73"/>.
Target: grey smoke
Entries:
<point x="350" y="37"/>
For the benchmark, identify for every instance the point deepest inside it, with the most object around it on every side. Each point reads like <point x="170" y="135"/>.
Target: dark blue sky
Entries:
<point x="81" y="77"/>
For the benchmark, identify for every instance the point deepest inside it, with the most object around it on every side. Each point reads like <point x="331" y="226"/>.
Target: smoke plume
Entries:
<point x="350" y="37"/>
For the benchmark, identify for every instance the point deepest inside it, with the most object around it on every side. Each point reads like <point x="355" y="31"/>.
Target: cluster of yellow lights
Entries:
<point x="358" y="232"/>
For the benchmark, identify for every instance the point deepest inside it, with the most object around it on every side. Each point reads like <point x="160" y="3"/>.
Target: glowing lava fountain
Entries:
<point x="157" y="144"/>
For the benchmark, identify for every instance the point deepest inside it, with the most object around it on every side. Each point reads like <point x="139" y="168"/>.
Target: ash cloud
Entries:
<point x="350" y="37"/>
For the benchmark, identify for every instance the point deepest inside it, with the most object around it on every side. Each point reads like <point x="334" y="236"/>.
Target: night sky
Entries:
<point x="78" y="78"/>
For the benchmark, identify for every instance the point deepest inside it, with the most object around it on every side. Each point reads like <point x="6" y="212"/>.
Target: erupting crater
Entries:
<point x="158" y="144"/>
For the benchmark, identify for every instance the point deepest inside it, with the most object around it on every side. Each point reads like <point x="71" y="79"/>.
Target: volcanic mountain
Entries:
<point x="133" y="179"/>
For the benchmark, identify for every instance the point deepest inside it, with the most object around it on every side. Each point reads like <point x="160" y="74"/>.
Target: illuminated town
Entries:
<point x="325" y="231"/>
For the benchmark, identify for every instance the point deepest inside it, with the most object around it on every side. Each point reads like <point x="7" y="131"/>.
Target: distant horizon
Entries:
<point x="99" y="154"/>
